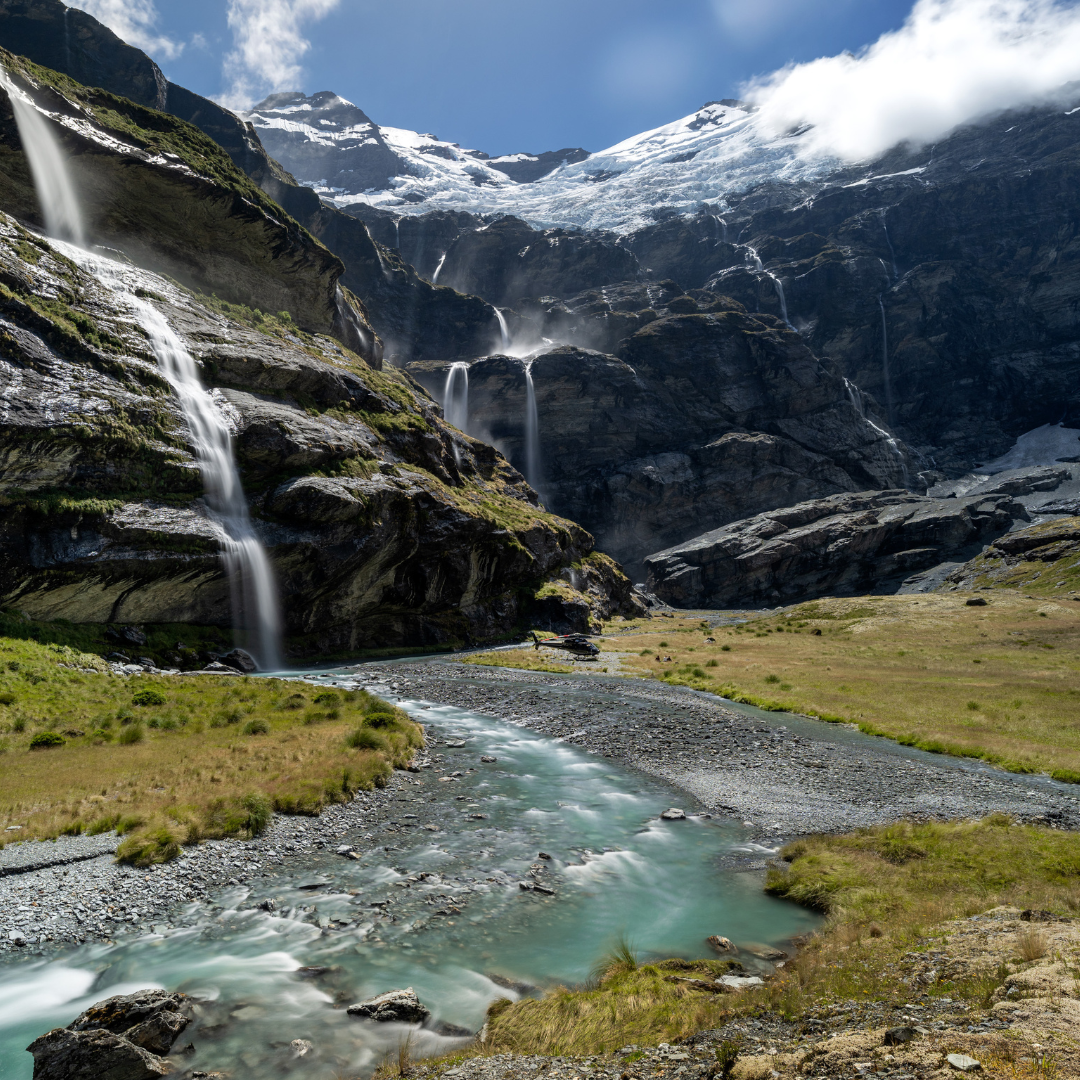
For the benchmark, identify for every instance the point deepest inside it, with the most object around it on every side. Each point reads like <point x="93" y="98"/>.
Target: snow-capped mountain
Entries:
<point x="331" y="145"/>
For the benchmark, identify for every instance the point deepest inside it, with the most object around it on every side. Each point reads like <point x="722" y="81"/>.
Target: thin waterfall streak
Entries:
<point x="532" y="431"/>
<point x="397" y="233"/>
<point x="455" y="401"/>
<point x="885" y="364"/>
<point x="504" y="330"/>
<point x="888" y="240"/>
<point x="438" y="270"/>
<point x="778" y="285"/>
<point x="52" y="179"/>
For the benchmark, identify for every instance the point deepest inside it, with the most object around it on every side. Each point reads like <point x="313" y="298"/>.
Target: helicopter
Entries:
<point x="575" y="643"/>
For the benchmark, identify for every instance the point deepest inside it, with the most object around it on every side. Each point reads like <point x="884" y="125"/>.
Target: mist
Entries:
<point x="952" y="62"/>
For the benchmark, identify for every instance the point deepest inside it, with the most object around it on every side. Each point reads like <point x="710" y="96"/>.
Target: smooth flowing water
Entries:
<point x="457" y="936"/>
<point x="456" y="395"/>
<point x="504" y="330"/>
<point x="48" y="166"/>
<point x="438" y="270"/>
<point x="533" y="470"/>
<point x="778" y="285"/>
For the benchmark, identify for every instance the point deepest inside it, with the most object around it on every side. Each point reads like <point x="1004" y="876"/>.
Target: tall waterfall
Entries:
<point x="254" y="590"/>
<point x="504" y="330"/>
<point x="855" y="397"/>
<point x="778" y="285"/>
<point x="533" y="471"/>
<point x="456" y="395"/>
<point x="438" y="270"/>
<point x="48" y="165"/>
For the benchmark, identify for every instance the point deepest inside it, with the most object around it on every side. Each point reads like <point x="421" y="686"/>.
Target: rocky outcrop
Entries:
<point x="843" y="545"/>
<point x="385" y="526"/>
<point x="395" y="1006"/>
<point x="121" y="1038"/>
<point x="700" y="419"/>
<point x="1042" y="557"/>
<point x="170" y="198"/>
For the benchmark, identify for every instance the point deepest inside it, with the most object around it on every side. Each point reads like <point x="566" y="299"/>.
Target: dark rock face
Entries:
<point x="409" y="533"/>
<point x="700" y="419"/>
<point x="525" y="168"/>
<point x="845" y="544"/>
<point x="1018" y="559"/>
<point x="508" y="259"/>
<point x="941" y="281"/>
<point x="121" y="1038"/>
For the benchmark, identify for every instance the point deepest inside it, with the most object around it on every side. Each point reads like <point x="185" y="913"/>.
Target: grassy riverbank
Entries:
<point x="891" y="895"/>
<point x="1000" y="682"/>
<point x="171" y="759"/>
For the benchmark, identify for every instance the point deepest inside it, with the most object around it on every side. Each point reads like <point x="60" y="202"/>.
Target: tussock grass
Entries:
<point x="525" y="659"/>
<point x="1000" y="682"/>
<point x="171" y="760"/>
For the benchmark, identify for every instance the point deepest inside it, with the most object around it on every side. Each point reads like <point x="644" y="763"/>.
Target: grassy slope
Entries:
<point x="1000" y="682"/>
<point x="212" y="758"/>
<point x="885" y="890"/>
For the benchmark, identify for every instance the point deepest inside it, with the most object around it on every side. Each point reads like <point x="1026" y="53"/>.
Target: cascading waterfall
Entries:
<point x="55" y="190"/>
<point x="438" y="270"/>
<point x="397" y="233"/>
<point x="532" y="431"/>
<point x="255" y="605"/>
<point x="456" y="395"/>
<point x="504" y="330"/>
<point x="778" y="285"/>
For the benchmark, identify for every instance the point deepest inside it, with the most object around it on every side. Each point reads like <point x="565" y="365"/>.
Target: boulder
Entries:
<point x="673" y="814"/>
<point x="240" y="660"/>
<point x="844" y="545"/>
<point x="401" y="1006"/>
<point x="720" y="944"/>
<point x="121" y="1038"/>
<point x="96" y="1054"/>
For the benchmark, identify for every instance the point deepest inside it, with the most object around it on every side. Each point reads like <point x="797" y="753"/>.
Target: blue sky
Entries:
<point x="496" y="75"/>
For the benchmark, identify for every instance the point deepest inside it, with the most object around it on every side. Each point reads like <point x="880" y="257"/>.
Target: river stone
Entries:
<point x="720" y="944"/>
<point x="740" y="982"/>
<point x="897" y="1036"/>
<point x="673" y="814"/>
<point x="241" y="660"/>
<point x="959" y="1061"/>
<point x="126" y="1013"/>
<point x="62" y="1054"/>
<point x="402" y="1006"/>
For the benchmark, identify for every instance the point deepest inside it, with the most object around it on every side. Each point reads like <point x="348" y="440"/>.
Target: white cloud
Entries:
<point x="268" y="46"/>
<point x="952" y="61"/>
<point x="135" y="21"/>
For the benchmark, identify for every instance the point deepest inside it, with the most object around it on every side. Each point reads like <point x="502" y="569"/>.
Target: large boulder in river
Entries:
<point x="121" y="1038"/>
<point x="401" y="1006"/>
<point x="841" y="545"/>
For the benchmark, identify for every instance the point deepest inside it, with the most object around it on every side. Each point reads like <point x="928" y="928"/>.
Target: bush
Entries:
<point x="712" y="663"/>
<point x="365" y="739"/>
<point x="327" y="697"/>
<point x="149" y="696"/>
<point x="155" y="846"/>
<point x="7" y="697"/>
<point x="44" y="739"/>
<point x="133" y="733"/>
<point x="256" y="727"/>
<point x="772" y="678"/>
<point x="382" y="718"/>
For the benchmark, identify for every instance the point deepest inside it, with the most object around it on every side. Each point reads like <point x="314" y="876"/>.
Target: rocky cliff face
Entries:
<point x="843" y="545"/>
<point x="385" y="526"/>
<point x="704" y="414"/>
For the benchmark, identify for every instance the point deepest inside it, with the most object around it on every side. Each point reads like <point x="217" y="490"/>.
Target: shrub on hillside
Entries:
<point x="44" y="739"/>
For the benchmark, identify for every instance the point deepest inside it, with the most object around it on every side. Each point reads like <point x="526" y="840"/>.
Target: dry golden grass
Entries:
<point x="525" y="659"/>
<point x="1001" y="682"/>
<point x="176" y="758"/>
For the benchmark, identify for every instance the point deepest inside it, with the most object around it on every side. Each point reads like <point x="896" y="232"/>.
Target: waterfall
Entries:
<point x="532" y="431"/>
<point x="438" y="270"/>
<point x="504" y="330"/>
<point x="885" y="363"/>
<point x="455" y="402"/>
<point x="857" y="404"/>
<point x="254" y="591"/>
<point x="892" y="254"/>
<point x="48" y="166"/>
<point x="778" y="285"/>
<point x="397" y="233"/>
